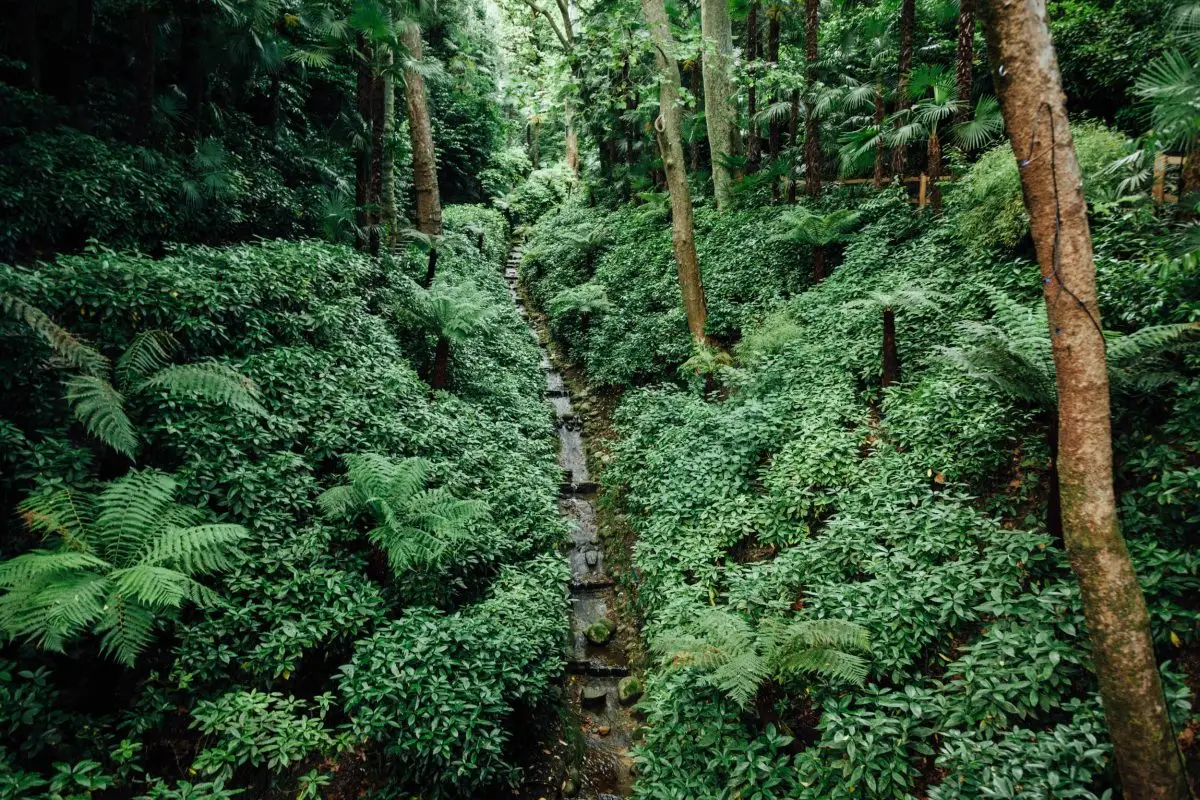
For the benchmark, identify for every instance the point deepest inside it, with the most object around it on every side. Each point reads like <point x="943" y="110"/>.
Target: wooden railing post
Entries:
<point x="1158" y="191"/>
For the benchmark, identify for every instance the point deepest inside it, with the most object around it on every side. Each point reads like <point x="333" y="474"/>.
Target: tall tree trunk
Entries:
<point x="878" y="176"/>
<point x="572" y="138"/>
<point x="420" y="129"/>
<point x="147" y="61"/>
<point x="670" y="144"/>
<point x="964" y="64"/>
<point x="192" y="51"/>
<point x="774" y="128"/>
<point x="81" y="61"/>
<point x="891" y="355"/>
<point x="753" y="146"/>
<point x="1054" y="498"/>
<point x="933" y="167"/>
<point x="31" y="43"/>
<point x="441" y="364"/>
<point x="812" y="125"/>
<point x="362" y="159"/>
<point x="1033" y="103"/>
<point x="377" y="148"/>
<point x="908" y="21"/>
<point x="431" y="267"/>
<point x="697" y="92"/>
<point x="535" y="133"/>
<point x="793" y="143"/>
<point x="720" y="114"/>
<point x="387" y="180"/>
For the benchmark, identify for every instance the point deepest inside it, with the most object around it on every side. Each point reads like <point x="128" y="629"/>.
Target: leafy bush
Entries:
<point x="540" y="192"/>
<point x="990" y="209"/>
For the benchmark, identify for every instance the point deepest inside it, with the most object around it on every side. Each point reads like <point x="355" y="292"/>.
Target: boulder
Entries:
<point x="600" y="631"/>
<point x="629" y="690"/>
<point x="593" y="697"/>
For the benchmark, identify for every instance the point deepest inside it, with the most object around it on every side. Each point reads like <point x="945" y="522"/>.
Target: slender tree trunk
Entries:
<point x="441" y="364"/>
<point x="774" y="128"/>
<point x="933" y="168"/>
<point x="964" y="65"/>
<point x="377" y="158"/>
<point x="818" y="264"/>
<point x="81" y="62"/>
<point x="812" y="125"/>
<point x="420" y="129"/>
<point x="31" y="43"/>
<point x="362" y="159"/>
<point x="147" y="62"/>
<point x="720" y="114"/>
<point x="793" y="143"/>
<point x="194" y="78"/>
<point x="753" y="146"/>
<point x="536" y="133"/>
<point x="670" y="143"/>
<point x="908" y="21"/>
<point x="572" y="138"/>
<point x="694" y="85"/>
<point x="431" y="267"/>
<point x="878" y="177"/>
<point x="387" y="197"/>
<point x="891" y="355"/>
<point x="1033" y="103"/>
<point x="1054" y="498"/>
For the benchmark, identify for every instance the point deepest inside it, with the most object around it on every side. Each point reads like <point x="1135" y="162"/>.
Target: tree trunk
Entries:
<point x="908" y="20"/>
<point x="147" y="61"/>
<point x="30" y="42"/>
<point x="720" y="114"/>
<point x="420" y="129"/>
<point x="812" y="126"/>
<point x="753" y="146"/>
<point x="192" y="50"/>
<point x="697" y="92"/>
<point x="793" y="144"/>
<point x="377" y="148"/>
<point x="933" y="168"/>
<point x="818" y="264"/>
<point x="1054" y="497"/>
<point x="431" y="267"/>
<point x="877" y="179"/>
<point x="1033" y="103"/>
<point x="81" y="62"/>
<point x="1189" y="178"/>
<point x="387" y="180"/>
<point x="774" y="128"/>
<point x="362" y="159"/>
<point x="964" y="65"/>
<point x="670" y="144"/>
<point x="572" y="138"/>
<point x="891" y="355"/>
<point x="441" y="364"/>
<point x="535" y="133"/>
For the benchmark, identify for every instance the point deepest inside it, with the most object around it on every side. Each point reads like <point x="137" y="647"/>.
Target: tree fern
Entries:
<point x="416" y="527"/>
<point x="122" y="564"/>
<point x="73" y="352"/>
<point x="735" y="657"/>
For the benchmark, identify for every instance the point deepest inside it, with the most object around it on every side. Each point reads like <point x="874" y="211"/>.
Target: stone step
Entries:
<point x="597" y="670"/>
<point x="577" y="489"/>
<point x="593" y="585"/>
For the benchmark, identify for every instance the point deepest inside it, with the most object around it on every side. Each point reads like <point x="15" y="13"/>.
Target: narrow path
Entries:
<point x="597" y="662"/>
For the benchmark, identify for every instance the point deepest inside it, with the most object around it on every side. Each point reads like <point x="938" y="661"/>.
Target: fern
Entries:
<point x="151" y="351"/>
<point x="72" y="351"/>
<point x="733" y="656"/>
<point x="416" y="527"/>
<point x="210" y="380"/>
<point x="123" y="564"/>
<point x="101" y="409"/>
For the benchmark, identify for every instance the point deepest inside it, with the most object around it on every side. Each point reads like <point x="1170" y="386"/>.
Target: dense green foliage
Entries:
<point x="798" y="492"/>
<point x="268" y="677"/>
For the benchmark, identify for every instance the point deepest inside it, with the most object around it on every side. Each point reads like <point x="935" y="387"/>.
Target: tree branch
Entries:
<point x="563" y="39"/>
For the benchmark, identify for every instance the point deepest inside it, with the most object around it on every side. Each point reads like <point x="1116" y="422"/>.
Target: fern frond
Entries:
<point x="340" y="501"/>
<point x="101" y="409"/>
<point x="71" y="350"/>
<point x="151" y="351"/>
<point x="62" y="513"/>
<point x="129" y="512"/>
<point x="128" y="630"/>
<point x="210" y="380"/>
<point x="828" y="663"/>
<point x="203" y="548"/>
<point x="31" y="567"/>
<point x="151" y="586"/>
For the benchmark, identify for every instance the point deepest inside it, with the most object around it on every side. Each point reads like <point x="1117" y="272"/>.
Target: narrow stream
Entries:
<point x="594" y="669"/>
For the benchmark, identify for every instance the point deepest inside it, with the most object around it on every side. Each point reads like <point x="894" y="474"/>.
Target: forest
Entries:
<point x="665" y="399"/>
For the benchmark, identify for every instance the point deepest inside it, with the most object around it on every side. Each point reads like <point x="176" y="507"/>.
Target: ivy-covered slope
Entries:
<point x="315" y="665"/>
<point x="797" y="489"/>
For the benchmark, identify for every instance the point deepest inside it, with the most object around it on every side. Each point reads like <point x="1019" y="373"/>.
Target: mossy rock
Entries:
<point x="600" y="631"/>
<point x="629" y="690"/>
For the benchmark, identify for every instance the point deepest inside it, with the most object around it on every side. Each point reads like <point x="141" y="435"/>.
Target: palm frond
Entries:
<point x="984" y="127"/>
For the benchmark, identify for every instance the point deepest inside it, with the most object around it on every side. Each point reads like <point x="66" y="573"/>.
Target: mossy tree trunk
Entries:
<point x="908" y="21"/>
<point x="670" y="144"/>
<point x="753" y="145"/>
<point x="812" y="125"/>
<point x="420" y="131"/>
<point x="720" y="113"/>
<point x="964" y="60"/>
<point x="363" y="200"/>
<point x="1033" y="103"/>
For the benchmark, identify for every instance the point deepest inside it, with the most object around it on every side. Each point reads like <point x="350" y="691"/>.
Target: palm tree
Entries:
<point x="416" y="528"/>
<point x="817" y="232"/>
<point x="123" y="563"/>
<point x="97" y="392"/>
<point x="730" y="653"/>
<point x="902" y="298"/>
<point x="1012" y="353"/>
<point x="453" y="313"/>
<point x="1170" y="87"/>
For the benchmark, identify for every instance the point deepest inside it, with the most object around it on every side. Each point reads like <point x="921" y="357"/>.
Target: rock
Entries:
<point x="629" y="690"/>
<point x="600" y="631"/>
<point x="570" y="788"/>
<point x="592" y="557"/>
<point x="603" y="730"/>
<point x="593" y="697"/>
